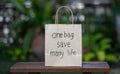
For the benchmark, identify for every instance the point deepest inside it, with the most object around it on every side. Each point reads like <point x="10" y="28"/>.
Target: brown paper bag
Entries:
<point x="63" y="43"/>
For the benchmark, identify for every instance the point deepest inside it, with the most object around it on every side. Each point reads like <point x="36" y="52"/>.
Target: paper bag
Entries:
<point x="63" y="44"/>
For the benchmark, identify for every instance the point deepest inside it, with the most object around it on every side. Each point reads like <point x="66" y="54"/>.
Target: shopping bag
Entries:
<point x="63" y="43"/>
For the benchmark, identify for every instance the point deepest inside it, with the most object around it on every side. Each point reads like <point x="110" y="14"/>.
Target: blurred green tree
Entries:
<point x="35" y="16"/>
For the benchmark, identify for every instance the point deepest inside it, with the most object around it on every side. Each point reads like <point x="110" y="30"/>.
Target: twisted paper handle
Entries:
<point x="56" y="16"/>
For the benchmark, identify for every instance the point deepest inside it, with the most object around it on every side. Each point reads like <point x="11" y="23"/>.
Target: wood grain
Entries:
<point x="40" y="67"/>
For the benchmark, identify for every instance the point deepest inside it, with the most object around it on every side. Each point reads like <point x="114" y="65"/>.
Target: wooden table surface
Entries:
<point x="40" y="67"/>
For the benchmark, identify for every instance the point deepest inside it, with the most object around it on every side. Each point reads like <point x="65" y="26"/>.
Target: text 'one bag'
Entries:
<point x="63" y="43"/>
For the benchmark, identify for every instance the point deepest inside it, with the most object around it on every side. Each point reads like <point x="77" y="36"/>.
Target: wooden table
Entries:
<point x="35" y="67"/>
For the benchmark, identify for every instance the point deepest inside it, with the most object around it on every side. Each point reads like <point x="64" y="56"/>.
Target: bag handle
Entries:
<point x="56" y="16"/>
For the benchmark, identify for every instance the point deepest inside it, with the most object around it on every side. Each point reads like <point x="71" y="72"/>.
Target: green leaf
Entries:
<point x="27" y="41"/>
<point x="88" y="56"/>
<point x="105" y="47"/>
<point x="18" y="52"/>
<point x="23" y="57"/>
<point x="96" y="37"/>
<point x="105" y="41"/>
<point x="20" y="5"/>
<point x="105" y="44"/>
<point x="101" y="55"/>
<point x="95" y="47"/>
<point x="111" y="57"/>
<point x="17" y="23"/>
<point x="38" y="9"/>
<point x="48" y="11"/>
